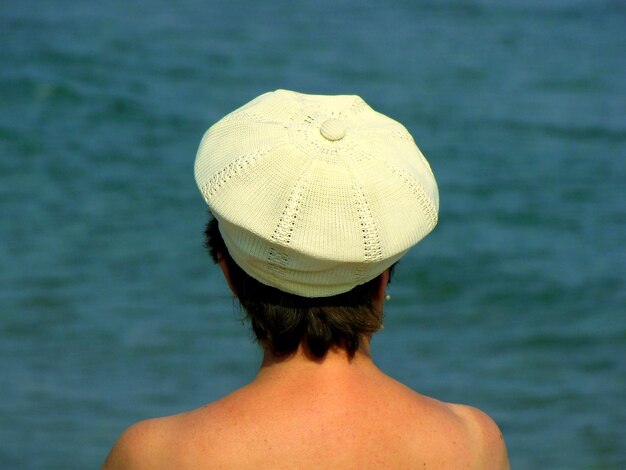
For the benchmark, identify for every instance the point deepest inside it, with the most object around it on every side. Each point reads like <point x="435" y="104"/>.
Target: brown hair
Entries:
<point x="281" y="321"/>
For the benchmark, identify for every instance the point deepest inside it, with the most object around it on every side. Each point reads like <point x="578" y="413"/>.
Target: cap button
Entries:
<point x="333" y="129"/>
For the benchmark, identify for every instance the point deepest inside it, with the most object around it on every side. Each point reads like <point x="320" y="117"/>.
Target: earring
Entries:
<point x="387" y="298"/>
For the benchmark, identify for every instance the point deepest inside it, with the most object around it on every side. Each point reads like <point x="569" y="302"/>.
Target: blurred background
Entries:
<point x="110" y="310"/>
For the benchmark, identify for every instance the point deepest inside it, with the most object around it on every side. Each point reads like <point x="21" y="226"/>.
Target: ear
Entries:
<point x="379" y="297"/>
<point x="222" y="262"/>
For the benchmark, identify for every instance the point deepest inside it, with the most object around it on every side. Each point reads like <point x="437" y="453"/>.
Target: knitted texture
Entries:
<point x="315" y="194"/>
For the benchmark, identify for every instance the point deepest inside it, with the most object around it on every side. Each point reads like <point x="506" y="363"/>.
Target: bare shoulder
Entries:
<point x="168" y="442"/>
<point x="463" y="436"/>
<point x="487" y="440"/>
<point x="142" y="445"/>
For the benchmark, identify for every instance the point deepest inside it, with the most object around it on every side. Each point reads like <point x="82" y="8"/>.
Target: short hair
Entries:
<point x="281" y="320"/>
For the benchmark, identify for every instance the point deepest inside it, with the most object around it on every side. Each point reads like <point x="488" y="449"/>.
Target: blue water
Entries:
<point x="111" y="312"/>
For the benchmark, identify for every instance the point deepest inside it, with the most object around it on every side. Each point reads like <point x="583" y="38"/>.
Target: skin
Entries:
<point x="302" y="413"/>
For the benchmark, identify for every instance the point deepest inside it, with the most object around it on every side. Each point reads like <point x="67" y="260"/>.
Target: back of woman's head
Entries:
<point x="316" y="196"/>
<point x="282" y="321"/>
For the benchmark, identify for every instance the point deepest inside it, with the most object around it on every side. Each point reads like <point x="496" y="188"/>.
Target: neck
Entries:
<point x="302" y="361"/>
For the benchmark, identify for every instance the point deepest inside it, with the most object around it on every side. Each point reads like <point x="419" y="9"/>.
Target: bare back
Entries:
<point x="312" y="421"/>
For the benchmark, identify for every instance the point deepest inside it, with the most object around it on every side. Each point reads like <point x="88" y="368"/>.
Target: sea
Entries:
<point x="112" y="312"/>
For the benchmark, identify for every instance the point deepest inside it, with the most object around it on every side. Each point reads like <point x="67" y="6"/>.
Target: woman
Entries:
<point x="314" y="199"/>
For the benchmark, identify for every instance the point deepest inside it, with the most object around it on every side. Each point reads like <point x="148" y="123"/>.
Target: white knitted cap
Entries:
<point x="315" y="194"/>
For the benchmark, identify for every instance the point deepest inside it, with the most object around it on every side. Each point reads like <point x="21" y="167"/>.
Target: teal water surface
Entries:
<point x="111" y="312"/>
